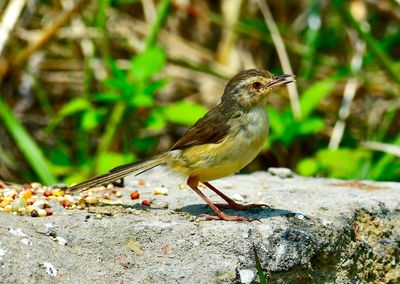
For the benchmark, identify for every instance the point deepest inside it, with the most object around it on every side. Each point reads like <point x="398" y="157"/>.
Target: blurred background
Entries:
<point x="89" y="85"/>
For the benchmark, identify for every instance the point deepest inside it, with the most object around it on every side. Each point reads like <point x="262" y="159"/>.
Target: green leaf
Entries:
<point x="26" y="144"/>
<point x="310" y="125"/>
<point x="92" y="118"/>
<point x="314" y="95"/>
<point x="307" y="167"/>
<point x="73" y="106"/>
<point x="147" y="63"/>
<point x="118" y="73"/>
<point x="106" y="97"/>
<point x="59" y="156"/>
<point x="109" y="160"/>
<point x="276" y="122"/>
<point x="155" y="120"/>
<point x="185" y="113"/>
<point x="153" y="87"/>
<point x="141" y="100"/>
<point x="145" y="145"/>
<point x="342" y="163"/>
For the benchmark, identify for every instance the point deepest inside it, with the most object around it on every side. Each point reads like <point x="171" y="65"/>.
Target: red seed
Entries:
<point x="146" y="203"/>
<point x="30" y="202"/>
<point x="65" y="203"/>
<point x="47" y="193"/>
<point x="135" y="195"/>
<point x="14" y="196"/>
<point x="49" y="211"/>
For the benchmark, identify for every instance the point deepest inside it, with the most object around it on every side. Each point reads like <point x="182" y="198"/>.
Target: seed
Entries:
<point x="47" y="193"/>
<point x="160" y="191"/>
<point x="34" y="213"/>
<point x="27" y="186"/>
<point x="21" y="211"/>
<point x="146" y="203"/>
<point x="141" y="182"/>
<point x="8" y="209"/>
<point x="135" y="195"/>
<point x="25" y="195"/>
<point x="5" y="202"/>
<point x="65" y="203"/>
<point x="49" y="211"/>
<point x="58" y="192"/>
<point x="36" y="185"/>
<point x="17" y="204"/>
<point x="30" y="208"/>
<point x="40" y="203"/>
<point x="91" y="199"/>
<point x="42" y="212"/>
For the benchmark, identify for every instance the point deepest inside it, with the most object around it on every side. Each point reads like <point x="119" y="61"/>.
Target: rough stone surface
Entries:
<point x="317" y="231"/>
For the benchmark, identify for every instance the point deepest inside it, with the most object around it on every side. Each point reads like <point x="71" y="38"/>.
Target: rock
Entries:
<point x="246" y="276"/>
<point x="318" y="231"/>
<point x="281" y="172"/>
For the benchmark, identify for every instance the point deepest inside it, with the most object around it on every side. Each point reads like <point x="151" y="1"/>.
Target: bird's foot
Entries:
<point x="237" y="206"/>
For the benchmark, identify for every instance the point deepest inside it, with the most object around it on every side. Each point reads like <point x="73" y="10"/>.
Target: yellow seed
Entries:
<point x="21" y="211"/>
<point x="8" y="209"/>
<point x="25" y="195"/>
<point x="5" y="202"/>
<point x="42" y="212"/>
<point x="58" y="192"/>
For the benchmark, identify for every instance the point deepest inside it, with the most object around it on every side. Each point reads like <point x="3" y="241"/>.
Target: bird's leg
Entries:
<point x="231" y="203"/>
<point x="193" y="183"/>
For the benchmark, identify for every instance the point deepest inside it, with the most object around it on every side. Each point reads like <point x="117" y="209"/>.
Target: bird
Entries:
<point x="226" y="139"/>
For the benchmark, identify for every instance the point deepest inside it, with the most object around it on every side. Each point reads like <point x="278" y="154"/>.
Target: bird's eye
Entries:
<point x="257" y="85"/>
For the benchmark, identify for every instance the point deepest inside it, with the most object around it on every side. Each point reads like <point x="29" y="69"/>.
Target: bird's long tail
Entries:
<point x="120" y="172"/>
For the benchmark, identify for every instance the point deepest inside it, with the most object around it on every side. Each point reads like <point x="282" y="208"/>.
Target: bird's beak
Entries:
<point x="281" y="80"/>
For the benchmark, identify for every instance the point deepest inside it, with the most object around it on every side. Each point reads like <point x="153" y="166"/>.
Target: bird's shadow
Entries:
<point x="255" y="213"/>
<point x="198" y="210"/>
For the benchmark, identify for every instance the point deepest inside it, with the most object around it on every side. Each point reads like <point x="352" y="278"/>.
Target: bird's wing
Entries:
<point x="211" y="128"/>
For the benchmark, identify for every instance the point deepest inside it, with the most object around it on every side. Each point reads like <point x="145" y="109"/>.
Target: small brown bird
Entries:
<point x="223" y="141"/>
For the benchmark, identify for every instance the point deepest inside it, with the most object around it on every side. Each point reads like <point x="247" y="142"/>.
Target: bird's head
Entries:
<point x="249" y="88"/>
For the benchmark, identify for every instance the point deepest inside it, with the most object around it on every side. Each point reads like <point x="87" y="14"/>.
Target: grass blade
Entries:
<point x="260" y="271"/>
<point x="26" y="144"/>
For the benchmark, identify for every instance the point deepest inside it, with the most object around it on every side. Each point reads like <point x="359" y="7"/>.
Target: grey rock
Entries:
<point x="317" y="231"/>
<point x="281" y="172"/>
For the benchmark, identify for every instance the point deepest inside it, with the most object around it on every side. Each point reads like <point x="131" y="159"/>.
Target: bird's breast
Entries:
<point x="215" y="160"/>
